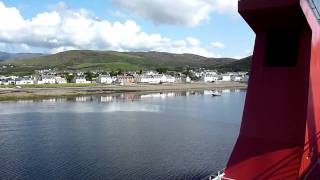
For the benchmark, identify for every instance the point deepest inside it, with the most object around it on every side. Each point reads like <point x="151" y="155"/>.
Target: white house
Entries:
<point x="198" y="74"/>
<point x="155" y="79"/>
<point x="226" y="78"/>
<point x="61" y="80"/>
<point x="80" y="80"/>
<point x="24" y="81"/>
<point x="237" y="78"/>
<point x="11" y="81"/>
<point x="213" y="73"/>
<point x="163" y="78"/>
<point x="149" y="79"/>
<point x="171" y="79"/>
<point x="125" y="80"/>
<point x="186" y="79"/>
<point x="209" y="78"/>
<point x="46" y="80"/>
<point x="103" y="79"/>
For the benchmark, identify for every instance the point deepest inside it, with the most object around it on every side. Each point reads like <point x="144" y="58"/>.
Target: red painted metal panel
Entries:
<point x="279" y="135"/>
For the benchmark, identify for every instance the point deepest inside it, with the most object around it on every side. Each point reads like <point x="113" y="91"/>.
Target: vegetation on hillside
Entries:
<point x="243" y="65"/>
<point x="118" y="62"/>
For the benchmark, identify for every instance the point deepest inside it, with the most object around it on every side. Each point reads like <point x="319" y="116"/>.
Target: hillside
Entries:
<point x="85" y="60"/>
<point x="180" y="60"/>
<point x="240" y="65"/>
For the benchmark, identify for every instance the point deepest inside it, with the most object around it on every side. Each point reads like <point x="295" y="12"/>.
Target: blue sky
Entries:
<point x="210" y="28"/>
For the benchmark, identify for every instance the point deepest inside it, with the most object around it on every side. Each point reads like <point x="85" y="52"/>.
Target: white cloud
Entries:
<point x="177" y="12"/>
<point x="12" y="47"/>
<point x="247" y="53"/>
<point x="217" y="45"/>
<point x="65" y="29"/>
<point x="193" y="41"/>
<point x="118" y="14"/>
<point x="224" y="6"/>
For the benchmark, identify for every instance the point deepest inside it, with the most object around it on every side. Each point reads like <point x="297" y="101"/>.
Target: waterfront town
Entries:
<point x="48" y="76"/>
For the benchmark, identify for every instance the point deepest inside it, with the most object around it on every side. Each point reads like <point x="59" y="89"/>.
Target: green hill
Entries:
<point x="236" y="66"/>
<point x="85" y="60"/>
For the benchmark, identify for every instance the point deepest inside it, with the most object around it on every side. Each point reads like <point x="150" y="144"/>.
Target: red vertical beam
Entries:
<point x="280" y="128"/>
<point x="309" y="165"/>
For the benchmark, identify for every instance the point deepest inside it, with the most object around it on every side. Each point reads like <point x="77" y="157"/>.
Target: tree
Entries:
<point x="113" y="73"/>
<point x="69" y="77"/>
<point x="187" y="72"/>
<point x="89" y="76"/>
<point x="120" y="72"/>
<point x="162" y="70"/>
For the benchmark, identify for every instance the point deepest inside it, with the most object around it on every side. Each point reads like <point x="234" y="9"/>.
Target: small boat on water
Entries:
<point x="215" y="93"/>
<point x="217" y="176"/>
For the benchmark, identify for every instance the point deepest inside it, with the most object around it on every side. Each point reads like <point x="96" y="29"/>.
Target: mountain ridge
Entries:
<point x="5" y="56"/>
<point x="86" y="60"/>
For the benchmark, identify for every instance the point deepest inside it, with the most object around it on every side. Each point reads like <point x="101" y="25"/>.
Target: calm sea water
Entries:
<point x="185" y="135"/>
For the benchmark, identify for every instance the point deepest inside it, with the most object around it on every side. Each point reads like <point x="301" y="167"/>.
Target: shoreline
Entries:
<point x="14" y="94"/>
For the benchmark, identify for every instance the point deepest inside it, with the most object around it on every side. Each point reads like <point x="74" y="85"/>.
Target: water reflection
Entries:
<point x="129" y="96"/>
<point x="121" y="102"/>
<point x="133" y="107"/>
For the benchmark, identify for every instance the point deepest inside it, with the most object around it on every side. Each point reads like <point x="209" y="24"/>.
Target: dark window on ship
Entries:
<point x="282" y="47"/>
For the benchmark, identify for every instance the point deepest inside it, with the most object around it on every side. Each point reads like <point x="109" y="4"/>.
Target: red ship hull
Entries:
<point x="280" y="131"/>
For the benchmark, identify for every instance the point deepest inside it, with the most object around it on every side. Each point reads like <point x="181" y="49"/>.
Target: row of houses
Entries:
<point x="236" y="77"/>
<point x="146" y="78"/>
<point x="14" y="80"/>
<point x="101" y="79"/>
<point x="132" y="79"/>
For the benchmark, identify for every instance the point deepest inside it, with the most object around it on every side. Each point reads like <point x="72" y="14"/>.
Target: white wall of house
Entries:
<point x="150" y="79"/>
<point x="186" y="79"/>
<point x="155" y="79"/>
<point x="46" y="80"/>
<point x="81" y="81"/>
<point x="171" y="79"/>
<point x="213" y="73"/>
<point x="24" y="82"/>
<point x="61" y="80"/>
<point x="209" y="78"/>
<point x="238" y="78"/>
<point x="11" y="82"/>
<point x="104" y="79"/>
<point x="163" y="79"/>
<point x="226" y="78"/>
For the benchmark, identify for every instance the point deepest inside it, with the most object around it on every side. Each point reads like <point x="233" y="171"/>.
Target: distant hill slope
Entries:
<point x="85" y="60"/>
<point x="180" y="60"/>
<point x="240" y="65"/>
<point x="4" y="56"/>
